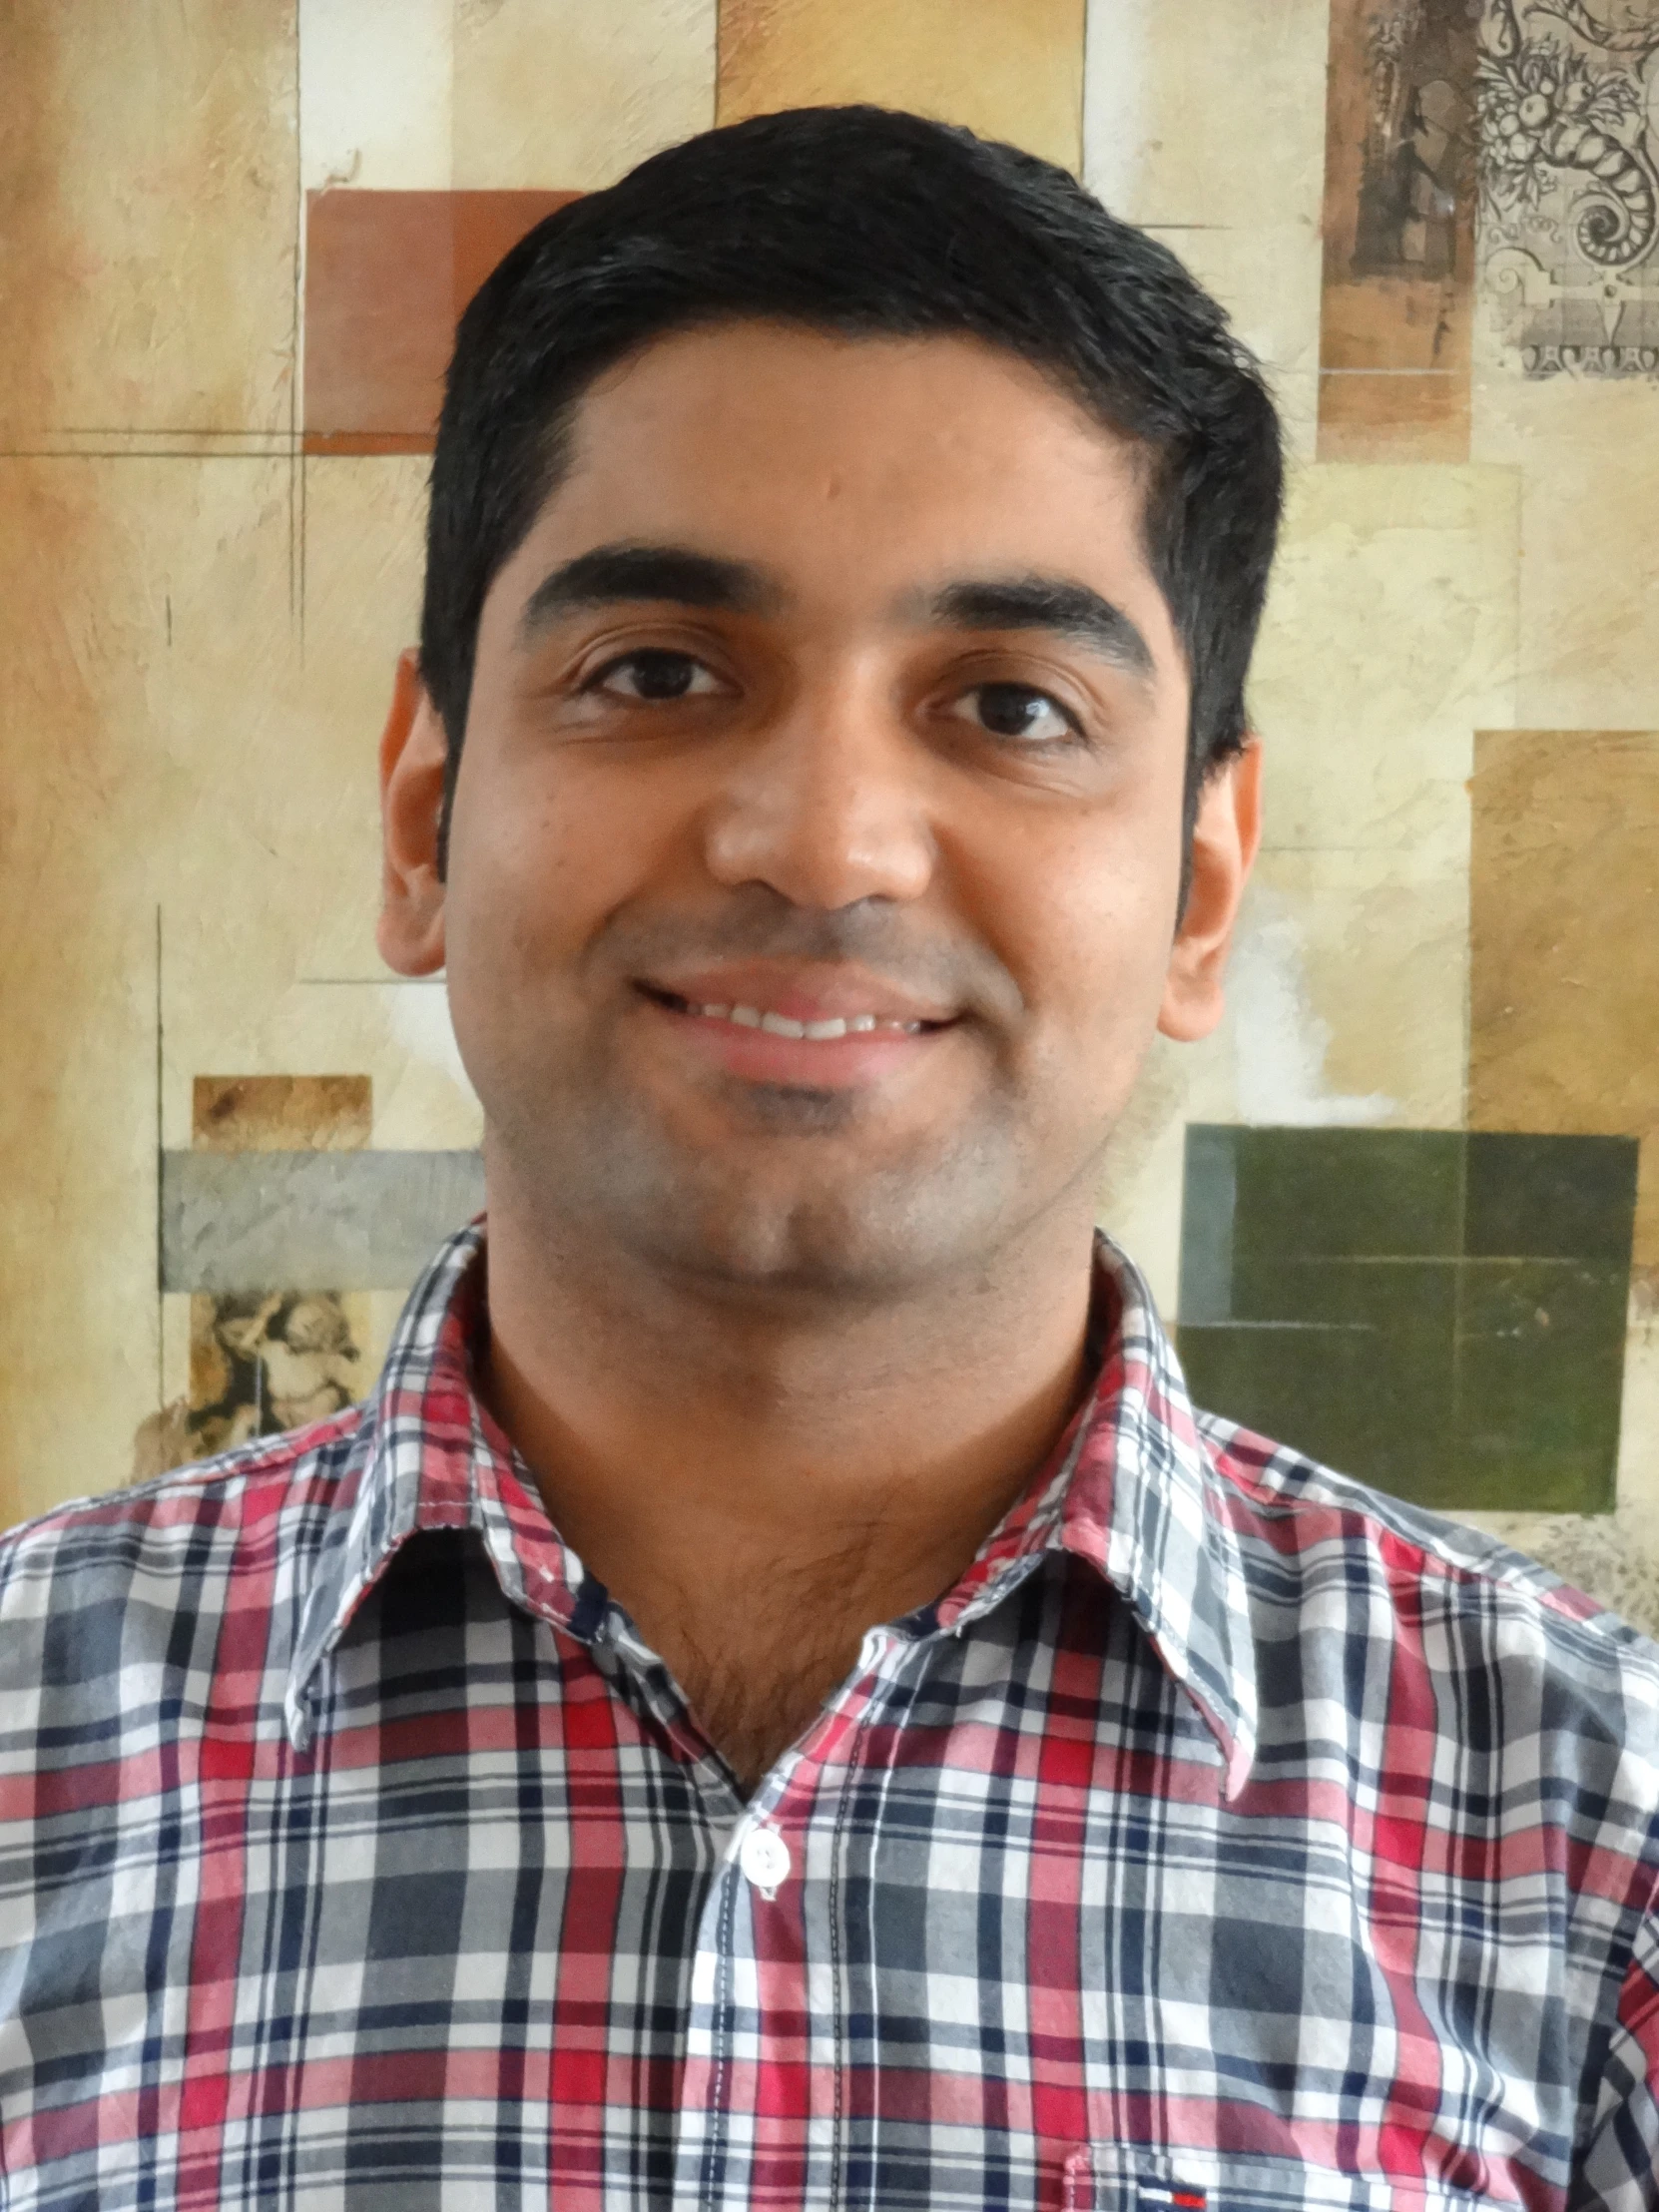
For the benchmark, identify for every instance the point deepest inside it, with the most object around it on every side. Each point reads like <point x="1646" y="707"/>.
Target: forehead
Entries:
<point x="889" y="460"/>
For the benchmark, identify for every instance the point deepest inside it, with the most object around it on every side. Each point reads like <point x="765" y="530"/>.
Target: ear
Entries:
<point x="1225" y="836"/>
<point x="413" y="750"/>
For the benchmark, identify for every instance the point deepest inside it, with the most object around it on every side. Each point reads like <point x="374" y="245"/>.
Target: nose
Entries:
<point x="827" y="806"/>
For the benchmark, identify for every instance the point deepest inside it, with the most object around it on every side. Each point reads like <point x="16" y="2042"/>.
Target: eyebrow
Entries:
<point x="610" y="574"/>
<point x="1055" y="603"/>
<point x="679" y="575"/>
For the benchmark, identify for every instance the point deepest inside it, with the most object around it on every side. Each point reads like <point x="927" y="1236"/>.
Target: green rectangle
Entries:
<point x="1539" y="1374"/>
<point x="1370" y="1403"/>
<point x="1339" y="1194"/>
<point x="1568" y="1198"/>
<point x="1410" y="1297"/>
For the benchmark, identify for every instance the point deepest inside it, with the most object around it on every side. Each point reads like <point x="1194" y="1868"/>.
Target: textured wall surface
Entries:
<point x="216" y="546"/>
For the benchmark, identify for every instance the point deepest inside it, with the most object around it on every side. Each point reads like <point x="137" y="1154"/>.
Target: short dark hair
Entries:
<point x="865" y="222"/>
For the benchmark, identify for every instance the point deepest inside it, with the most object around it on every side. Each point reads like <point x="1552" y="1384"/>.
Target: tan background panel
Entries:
<point x="1011" y="69"/>
<point x="149" y="173"/>
<point x="1563" y="954"/>
<point x="575" y="91"/>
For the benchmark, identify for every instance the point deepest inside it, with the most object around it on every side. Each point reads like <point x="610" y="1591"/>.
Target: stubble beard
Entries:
<point x="784" y="1209"/>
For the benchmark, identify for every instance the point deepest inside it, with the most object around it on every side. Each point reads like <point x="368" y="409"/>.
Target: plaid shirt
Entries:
<point x="1228" y="1838"/>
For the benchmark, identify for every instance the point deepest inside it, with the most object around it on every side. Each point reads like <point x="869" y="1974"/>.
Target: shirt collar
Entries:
<point x="1130" y="1489"/>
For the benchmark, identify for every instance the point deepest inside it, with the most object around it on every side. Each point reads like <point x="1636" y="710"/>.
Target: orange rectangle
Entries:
<point x="387" y="275"/>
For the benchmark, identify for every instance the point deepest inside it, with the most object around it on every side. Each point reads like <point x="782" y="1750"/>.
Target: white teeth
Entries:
<point x="820" y="1032"/>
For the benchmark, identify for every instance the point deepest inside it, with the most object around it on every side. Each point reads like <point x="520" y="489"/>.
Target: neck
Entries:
<point x="707" y="1453"/>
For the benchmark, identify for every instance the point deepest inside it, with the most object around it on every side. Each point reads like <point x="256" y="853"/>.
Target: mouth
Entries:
<point x="803" y="1046"/>
<point x="827" y="1029"/>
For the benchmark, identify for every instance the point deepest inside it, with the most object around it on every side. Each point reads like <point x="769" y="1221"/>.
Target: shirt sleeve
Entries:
<point x="1618" y="2168"/>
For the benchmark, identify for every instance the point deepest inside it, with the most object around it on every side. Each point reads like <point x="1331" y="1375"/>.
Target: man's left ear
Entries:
<point x="1225" y="836"/>
<point x="413" y="759"/>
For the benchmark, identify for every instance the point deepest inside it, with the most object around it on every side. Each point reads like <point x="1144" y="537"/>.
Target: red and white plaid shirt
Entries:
<point x="1229" y="1838"/>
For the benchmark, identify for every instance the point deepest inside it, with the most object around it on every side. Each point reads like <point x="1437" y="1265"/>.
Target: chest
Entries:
<point x="989" y="1935"/>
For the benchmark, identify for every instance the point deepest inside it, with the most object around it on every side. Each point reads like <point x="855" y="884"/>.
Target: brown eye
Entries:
<point x="654" y="674"/>
<point x="1016" y="711"/>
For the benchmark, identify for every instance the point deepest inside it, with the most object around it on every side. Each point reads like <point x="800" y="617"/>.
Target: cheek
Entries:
<point x="1087" y="929"/>
<point x="537" y="862"/>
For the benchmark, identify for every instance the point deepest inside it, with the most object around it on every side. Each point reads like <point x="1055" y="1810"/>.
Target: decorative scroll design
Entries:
<point x="1569" y="211"/>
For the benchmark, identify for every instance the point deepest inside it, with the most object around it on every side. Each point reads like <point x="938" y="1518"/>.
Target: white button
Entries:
<point x="764" y="1859"/>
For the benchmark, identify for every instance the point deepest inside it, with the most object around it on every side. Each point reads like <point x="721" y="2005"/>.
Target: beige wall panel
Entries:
<point x="569" y="95"/>
<point x="1390" y="636"/>
<point x="142" y="645"/>
<point x="1588" y="451"/>
<point x="284" y="978"/>
<point x="149" y="171"/>
<point x="1208" y="114"/>
<point x="1268" y="282"/>
<point x="1565" y="943"/>
<point x="1350" y="990"/>
<point x="375" y="94"/>
<point x="1204" y="120"/>
<point x="1010" y="69"/>
<point x="180" y="750"/>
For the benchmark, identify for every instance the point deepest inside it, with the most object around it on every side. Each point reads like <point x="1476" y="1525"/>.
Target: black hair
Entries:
<point x="865" y="222"/>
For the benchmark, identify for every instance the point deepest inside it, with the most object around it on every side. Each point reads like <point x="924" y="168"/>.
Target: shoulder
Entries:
<point x="1460" y="1613"/>
<point x="182" y="1537"/>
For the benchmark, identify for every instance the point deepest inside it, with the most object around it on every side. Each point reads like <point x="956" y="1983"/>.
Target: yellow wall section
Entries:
<point x="1564" y="955"/>
<point x="1010" y="69"/>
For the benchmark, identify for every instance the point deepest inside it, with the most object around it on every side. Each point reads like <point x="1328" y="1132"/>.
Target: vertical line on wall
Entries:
<point x="161" y="1310"/>
<point x="1083" y="93"/>
<point x="297" y="333"/>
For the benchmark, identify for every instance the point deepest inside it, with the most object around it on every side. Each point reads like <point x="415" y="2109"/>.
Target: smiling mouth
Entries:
<point x="827" y="1031"/>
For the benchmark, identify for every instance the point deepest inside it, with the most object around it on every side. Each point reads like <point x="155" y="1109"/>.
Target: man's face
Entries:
<point x="815" y="859"/>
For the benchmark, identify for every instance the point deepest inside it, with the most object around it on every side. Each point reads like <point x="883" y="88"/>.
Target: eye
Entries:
<point x="1017" y="710"/>
<point x="652" y="672"/>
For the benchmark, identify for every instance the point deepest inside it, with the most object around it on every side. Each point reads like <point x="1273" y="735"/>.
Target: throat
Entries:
<point x="756" y="1689"/>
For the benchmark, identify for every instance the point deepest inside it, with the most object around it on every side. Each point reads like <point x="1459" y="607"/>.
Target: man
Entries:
<point x="776" y="1701"/>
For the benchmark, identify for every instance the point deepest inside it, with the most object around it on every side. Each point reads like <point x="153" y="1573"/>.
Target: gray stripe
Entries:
<point x="314" y="1221"/>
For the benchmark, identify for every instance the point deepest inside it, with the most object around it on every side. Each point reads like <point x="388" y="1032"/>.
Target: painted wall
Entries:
<point x="238" y="232"/>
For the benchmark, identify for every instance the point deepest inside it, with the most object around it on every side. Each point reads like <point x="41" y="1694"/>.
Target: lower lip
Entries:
<point x="799" y="1063"/>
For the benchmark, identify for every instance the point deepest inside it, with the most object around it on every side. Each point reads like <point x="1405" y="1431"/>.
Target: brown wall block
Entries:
<point x="280" y="1113"/>
<point x="1565" y="943"/>
<point x="387" y="275"/>
<point x="1011" y="69"/>
<point x="1398" y="301"/>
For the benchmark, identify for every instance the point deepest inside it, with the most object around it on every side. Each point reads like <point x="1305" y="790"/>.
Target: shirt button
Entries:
<point x="764" y="1859"/>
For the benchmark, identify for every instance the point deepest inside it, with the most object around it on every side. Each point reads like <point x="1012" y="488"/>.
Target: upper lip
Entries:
<point x="799" y="991"/>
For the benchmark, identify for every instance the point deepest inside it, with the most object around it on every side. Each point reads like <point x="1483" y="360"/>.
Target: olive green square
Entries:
<point x="1539" y="1372"/>
<point x="1341" y="1194"/>
<point x="1403" y="1296"/>
<point x="1534" y="1197"/>
<point x="1327" y="1301"/>
<point x="1373" y="1402"/>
